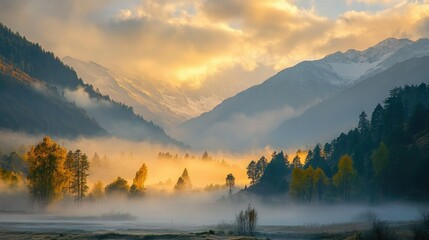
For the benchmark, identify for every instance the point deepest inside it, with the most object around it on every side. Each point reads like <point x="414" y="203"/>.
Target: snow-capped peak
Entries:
<point x="353" y="64"/>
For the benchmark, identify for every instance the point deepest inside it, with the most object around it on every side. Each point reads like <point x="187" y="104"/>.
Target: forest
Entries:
<point x="384" y="159"/>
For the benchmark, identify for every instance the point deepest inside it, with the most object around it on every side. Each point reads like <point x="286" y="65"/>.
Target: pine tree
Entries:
<point x="230" y="182"/>
<point x="80" y="168"/>
<point x="184" y="182"/>
<point x="252" y="172"/>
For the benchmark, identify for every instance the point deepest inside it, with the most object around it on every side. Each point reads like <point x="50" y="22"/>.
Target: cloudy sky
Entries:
<point x="202" y="43"/>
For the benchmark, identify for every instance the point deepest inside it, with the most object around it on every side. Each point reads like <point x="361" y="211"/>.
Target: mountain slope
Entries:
<point x="242" y="121"/>
<point x="145" y="100"/>
<point x="159" y="101"/>
<point x="117" y="118"/>
<point x="339" y="112"/>
<point x="27" y="104"/>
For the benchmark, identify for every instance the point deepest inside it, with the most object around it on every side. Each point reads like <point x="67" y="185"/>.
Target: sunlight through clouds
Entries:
<point x="191" y="41"/>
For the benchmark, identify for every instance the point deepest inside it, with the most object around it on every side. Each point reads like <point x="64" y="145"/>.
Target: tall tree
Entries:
<point x="80" y="168"/>
<point x="300" y="185"/>
<point x="47" y="176"/>
<point x="364" y="124"/>
<point x="377" y="123"/>
<point x="252" y="172"/>
<point x="137" y="188"/>
<point x="320" y="181"/>
<point x="345" y="177"/>
<point x="230" y="182"/>
<point x="261" y="165"/>
<point x="68" y="165"/>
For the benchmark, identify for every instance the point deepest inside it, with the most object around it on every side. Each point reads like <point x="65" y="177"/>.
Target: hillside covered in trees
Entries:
<point x="69" y="107"/>
<point x="385" y="158"/>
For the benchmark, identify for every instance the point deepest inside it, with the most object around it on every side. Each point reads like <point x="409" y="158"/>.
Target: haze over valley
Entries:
<point x="213" y="119"/>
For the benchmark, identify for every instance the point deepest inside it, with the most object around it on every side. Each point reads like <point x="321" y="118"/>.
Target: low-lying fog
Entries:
<point x="193" y="210"/>
<point x="161" y="207"/>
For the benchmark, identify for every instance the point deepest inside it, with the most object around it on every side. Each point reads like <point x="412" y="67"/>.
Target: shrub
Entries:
<point x="246" y="221"/>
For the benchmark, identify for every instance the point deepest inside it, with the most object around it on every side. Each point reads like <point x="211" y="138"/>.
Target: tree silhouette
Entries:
<point x="261" y="165"/>
<point x="184" y="182"/>
<point x="80" y="168"/>
<point x="230" y="182"/>
<point x="118" y="186"/>
<point x="252" y="172"/>
<point x="296" y="162"/>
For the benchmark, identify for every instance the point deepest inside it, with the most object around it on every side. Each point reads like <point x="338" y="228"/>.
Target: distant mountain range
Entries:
<point x="40" y="94"/>
<point x="269" y="113"/>
<point x="158" y="101"/>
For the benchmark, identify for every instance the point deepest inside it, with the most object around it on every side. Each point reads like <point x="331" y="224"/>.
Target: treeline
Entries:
<point x="385" y="158"/>
<point x="51" y="172"/>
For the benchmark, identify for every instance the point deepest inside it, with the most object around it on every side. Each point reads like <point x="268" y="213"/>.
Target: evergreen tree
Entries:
<point x="364" y="124"/>
<point x="261" y="165"/>
<point x="80" y="168"/>
<point x="252" y="172"/>
<point x="296" y="162"/>
<point x="184" y="182"/>
<point x="377" y="123"/>
<point x="230" y="182"/>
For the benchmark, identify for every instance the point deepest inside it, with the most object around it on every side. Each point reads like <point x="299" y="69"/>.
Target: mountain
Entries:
<point x="27" y="104"/>
<point x="243" y="120"/>
<point x="145" y="100"/>
<point x="338" y="113"/>
<point x="158" y="101"/>
<point x="387" y="154"/>
<point x="115" y="118"/>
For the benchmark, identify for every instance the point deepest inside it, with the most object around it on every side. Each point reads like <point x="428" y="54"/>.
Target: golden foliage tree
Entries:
<point x="308" y="182"/>
<point x="47" y="175"/>
<point x="345" y="176"/>
<point x="137" y="188"/>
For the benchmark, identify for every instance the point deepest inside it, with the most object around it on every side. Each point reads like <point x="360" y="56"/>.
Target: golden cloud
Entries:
<point x="191" y="41"/>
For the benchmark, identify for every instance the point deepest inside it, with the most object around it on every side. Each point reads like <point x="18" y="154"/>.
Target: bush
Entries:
<point x="379" y="229"/>
<point x="246" y="221"/>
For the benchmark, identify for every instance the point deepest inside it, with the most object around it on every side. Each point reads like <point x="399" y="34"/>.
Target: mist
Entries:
<point x="162" y="210"/>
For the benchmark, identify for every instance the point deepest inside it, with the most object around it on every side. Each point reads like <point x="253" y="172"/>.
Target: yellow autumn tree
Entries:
<point x="47" y="175"/>
<point x="137" y="188"/>
<point x="308" y="182"/>
<point x="345" y="176"/>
